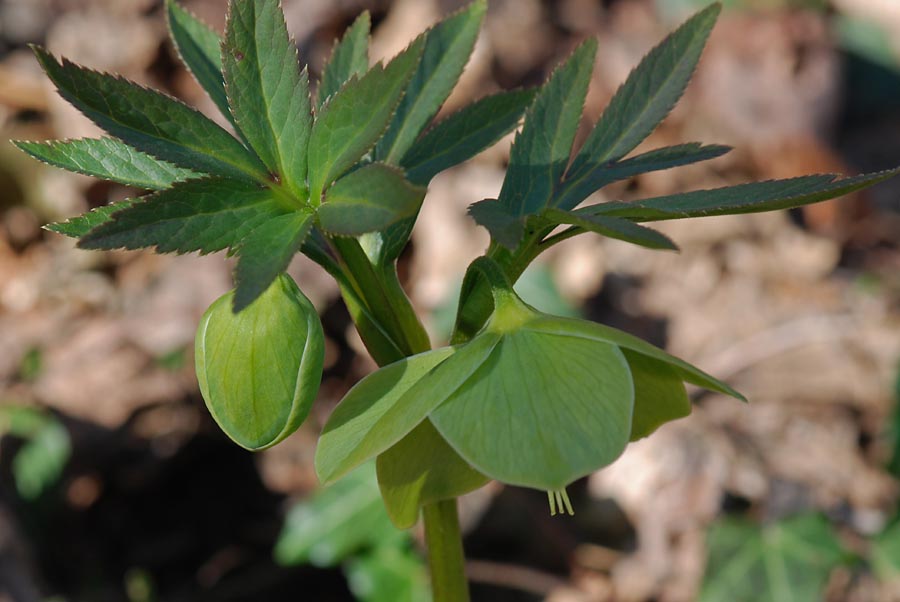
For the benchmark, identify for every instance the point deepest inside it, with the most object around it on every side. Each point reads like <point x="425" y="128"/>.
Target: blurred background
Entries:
<point x="115" y="485"/>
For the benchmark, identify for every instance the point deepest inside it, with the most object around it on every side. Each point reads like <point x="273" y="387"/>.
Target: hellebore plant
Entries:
<point x="521" y="397"/>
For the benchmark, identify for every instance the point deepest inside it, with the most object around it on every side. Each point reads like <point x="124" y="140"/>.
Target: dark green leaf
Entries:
<point x="336" y="522"/>
<point x="200" y="50"/>
<point x="504" y="228"/>
<point x="620" y="229"/>
<point x="389" y="574"/>
<point x="464" y="134"/>
<point x="659" y="394"/>
<point x="647" y="95"/>
<point x="420" y="469"/>
<point x="368" y="199"/>
<point x="745" y="198"/>
<point x="77" y="227"/>
<point x="597" y="176"/>
<point x="152" y="122"/>
<point x="109" y="159"/>
<point x="447" y="49"/>
<point x="542" y="149"/>
<point x="197" y="215"/>
<point x="785" y="561"/>
<point x="349" y="57"/>
<point x="266" y="252"/>
<point x="268" y="93"/>
<point x="355" y="117"/>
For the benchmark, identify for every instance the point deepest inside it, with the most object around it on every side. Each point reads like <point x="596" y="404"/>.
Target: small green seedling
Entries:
<point x="522" y="397"/>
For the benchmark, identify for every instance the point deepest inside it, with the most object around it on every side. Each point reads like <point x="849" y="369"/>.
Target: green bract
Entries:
<point x="259" y="370"/>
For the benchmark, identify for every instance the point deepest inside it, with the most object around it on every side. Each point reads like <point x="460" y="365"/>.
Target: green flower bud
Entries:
<point x="259" y="370"/>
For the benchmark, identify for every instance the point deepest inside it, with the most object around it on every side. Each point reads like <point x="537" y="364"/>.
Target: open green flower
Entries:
<point x="532" y="400"/>
<point x="259" y="369"/>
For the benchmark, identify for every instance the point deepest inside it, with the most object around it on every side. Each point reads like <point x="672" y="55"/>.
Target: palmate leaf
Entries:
<point x="447" y="49"/>
<point x="109" y="159"/>
<point x="368" y="199"/>
<point x="755" y="197"/>
<point x="269" y="96"/>
<point x="352" y="121"/>
<point x="266" y="252"/>
<point x="781" y="562"/>
<point x="576" y="190"/>
<point x="199" y="48"/>
<point x="152" y="122"/>
<point x="541" y="150"/>
<point x="349" y="57"/>
<point x="197" y="215"/>
<point x="647" y="95"/>
<point x="613" y="227"/>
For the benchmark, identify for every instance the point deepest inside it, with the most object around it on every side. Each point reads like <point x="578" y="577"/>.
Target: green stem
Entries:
<point x="445" y="552"/>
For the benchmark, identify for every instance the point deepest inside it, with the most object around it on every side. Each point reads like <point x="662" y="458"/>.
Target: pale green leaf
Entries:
<point x="197" y="215"/>
<point x="744" y="198"/>
<point x="542" y="149"/>
<point x="368" y="199"/>
<point x="266" y="252"/>
<point x="577" y="189"/>
<point x="885" y="554"/>
<point x="659" y="394"/>
<point x="542" y="410"/>
<point x="448" y="46"/>
<point x="349" y="57"/>
<point x="612" y="227"/>
<point x="151" y="121"/>
<point x="420" y="469"/>
<point x="788" y="561"/>
<point x="109" y="159"/>
<point x="199" y="48"/>
<point x="389" y="574"/>
<point x="269" y="95"/>
<point x="355" y="117"/>
<point x="648" y="94"/>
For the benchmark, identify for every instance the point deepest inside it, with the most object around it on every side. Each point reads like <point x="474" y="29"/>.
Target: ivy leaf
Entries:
<point x="197" y="215"/>
<point x="447" y="49"/>
<point x="368" y="199"/>
<point x="421" y="469"/>
<point x="266" y="252"/>
<point x="386" y="405"/>
<point x="355" y="117"/>
<point x="268" y="93"/>
<point x="199" y="48"/>
<point x="647" y="95"/>
<point x="109" y="159"/>
<point x="349" y="57"/>
<point x="620" y="229"/>
<point x="744" y="198"/>
<point x="541" y="150"/>
<point x="464" y="134"/>
<point x="788" y="560"/>
<point x="152" y="122"/>
<point x="659" y="394"/>
<point x="599" y="175"/>
<point x="79" y="226"/>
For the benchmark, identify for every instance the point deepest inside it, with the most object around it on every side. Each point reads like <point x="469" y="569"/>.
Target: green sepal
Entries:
<point x="421" y="469"/>
<point x="259" y="370"/>
<point x="448" y="46"/>
<point x="151" y="121"/>
<point x="268" y="94"/>
<point x="354" y="118"/>
<point x="197" y="215"/>
<point x="370" y="198"/>
<point x="659" y="394"/>
<point x="109" y="159"/>
<point x="266" y="252"/>
<point x="648" y="95"/>
<point x="199" y="48"/>
<point x="349" y="57"/>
